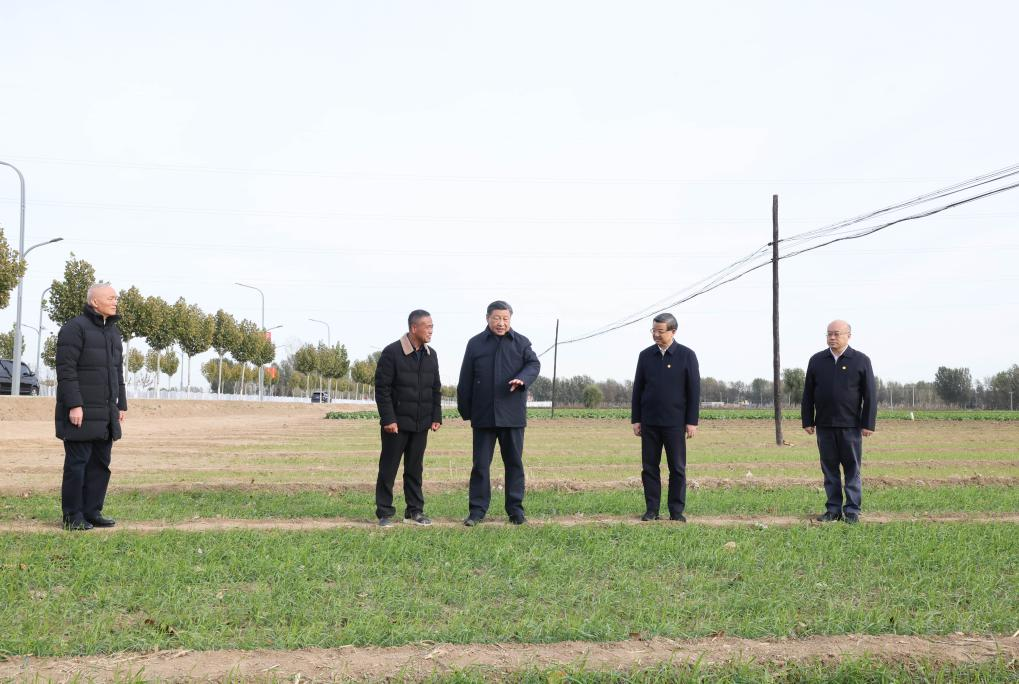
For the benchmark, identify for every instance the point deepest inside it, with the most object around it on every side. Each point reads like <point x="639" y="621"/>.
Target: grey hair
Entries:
<point x="668" y="319"/>
<point x="100" y="285"/>
<point x="499" y="305"/>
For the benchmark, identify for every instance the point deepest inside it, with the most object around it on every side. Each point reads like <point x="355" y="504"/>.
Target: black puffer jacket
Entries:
<point x="408" y="390"/>
<point x="90" y="374"/>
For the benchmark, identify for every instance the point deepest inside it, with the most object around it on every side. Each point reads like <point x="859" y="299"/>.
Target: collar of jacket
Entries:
<point x="668" y="350"/>
<point x="847" y="353"/>
<point x="509" y="333"/>
<point x="97" y="317"/>
<point x="408" y="346"/>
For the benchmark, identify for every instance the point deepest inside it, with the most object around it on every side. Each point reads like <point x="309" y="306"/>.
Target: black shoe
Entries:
<point x="385" y="522"/>
<point x="679" y="517"/>
<point x="829" y="517"/>
<point x="852" y="518"/>
<point x="418" y="519"/>
<point x="101" y="521"/>
<point x="649" y="516"/>
<point x="77" y="525"/>
<point x="471" y="521"/>
<point x="517" y="519"/>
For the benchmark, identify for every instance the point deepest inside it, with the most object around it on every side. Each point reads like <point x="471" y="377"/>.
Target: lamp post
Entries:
<point x="38" y="349"/>
<point x="329" y="335"/>
<point x="16" y="381"/>
<point x="16" y="377"/>
<point x="261" y="370"/>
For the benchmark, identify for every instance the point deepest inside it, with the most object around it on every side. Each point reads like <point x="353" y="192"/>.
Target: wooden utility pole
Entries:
<point x="774" y="321"/>
<point x="555" y="361"/>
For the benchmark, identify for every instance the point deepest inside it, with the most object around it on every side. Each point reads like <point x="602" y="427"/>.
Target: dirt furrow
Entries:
<point x="309" y="524"/>
<point x="419" y="661"/>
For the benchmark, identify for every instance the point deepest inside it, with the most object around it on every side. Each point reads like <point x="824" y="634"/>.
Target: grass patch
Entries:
<point x="739" y="500"/>
<point x="82" y="594"/>
<point x="849" y="671"/>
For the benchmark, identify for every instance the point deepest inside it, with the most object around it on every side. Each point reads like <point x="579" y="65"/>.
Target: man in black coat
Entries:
<point x="91" y="404"/>
<point x="840" y="406"/>
<point x="664" y="413"/>
<point x="498" y="367"/>
<point x="408" y="392"/>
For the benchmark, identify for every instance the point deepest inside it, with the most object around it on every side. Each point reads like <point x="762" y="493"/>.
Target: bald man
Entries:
<point x="840" y="407"/>
<point x="91" y="403"/>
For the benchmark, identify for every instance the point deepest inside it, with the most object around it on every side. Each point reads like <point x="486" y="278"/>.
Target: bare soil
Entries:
<point x="420" y="661"/>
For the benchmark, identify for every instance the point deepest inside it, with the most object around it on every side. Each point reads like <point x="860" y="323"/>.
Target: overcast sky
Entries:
<point x="581" y="160"/>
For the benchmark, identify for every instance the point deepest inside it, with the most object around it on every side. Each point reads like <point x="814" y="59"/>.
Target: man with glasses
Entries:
<point x="664" y="413"/>
<point x="840" y="407"/>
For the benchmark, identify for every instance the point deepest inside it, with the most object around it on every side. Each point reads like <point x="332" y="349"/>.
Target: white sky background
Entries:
<point x="581" y="160"/>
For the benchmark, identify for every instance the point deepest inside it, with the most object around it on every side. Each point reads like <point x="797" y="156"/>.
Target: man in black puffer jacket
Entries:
<point x="408" y="392"/>
<point x="91" y="403"/>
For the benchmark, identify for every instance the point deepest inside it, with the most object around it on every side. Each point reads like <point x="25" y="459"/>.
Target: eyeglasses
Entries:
<point x="661" y="332"/>
<point x="835" y="333"/>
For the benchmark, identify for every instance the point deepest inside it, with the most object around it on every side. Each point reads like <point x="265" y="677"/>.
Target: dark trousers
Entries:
<point x="841" y="447"/>
<point x="652" y="440"/>
<point x="410" y="446"/>
<point x="86" y="477"/>
<point x="511" y="445"/>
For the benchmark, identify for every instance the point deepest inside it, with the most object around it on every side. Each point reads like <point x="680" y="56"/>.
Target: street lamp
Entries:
<point x="329" y="335"/>
<point x="16" y="381"/>
<point x="38" y="349"/>
<point x="261" y="370"/>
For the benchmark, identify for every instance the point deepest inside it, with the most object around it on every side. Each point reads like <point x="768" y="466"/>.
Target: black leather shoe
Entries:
<point x="101" y="521"/>
<point x="649" y="516"/>
<point x="471" y="521"/>
<point x="852" y="518"/>
<point x="77" y="525"/>
<point x="829" y="517"/>
<point x="679" y="517"/>
<point x="518" y="519"/>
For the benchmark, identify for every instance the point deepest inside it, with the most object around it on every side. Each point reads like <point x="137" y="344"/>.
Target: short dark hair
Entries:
<point x="415" y="316"/>
<point x="499" y="305"/>
<point x="668" y="319"/>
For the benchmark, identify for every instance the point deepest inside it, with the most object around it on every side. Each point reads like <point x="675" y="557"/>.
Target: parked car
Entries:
<point x="29" y="383"/>
<point x="316" y="397"/>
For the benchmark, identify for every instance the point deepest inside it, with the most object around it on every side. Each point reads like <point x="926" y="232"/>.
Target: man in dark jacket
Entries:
<point x="498" y="367"/>
<point x="664" y="413"/>
<point x="408" y="394"/>
<point x="91" y="403"/>
<point x="840" y="405"/>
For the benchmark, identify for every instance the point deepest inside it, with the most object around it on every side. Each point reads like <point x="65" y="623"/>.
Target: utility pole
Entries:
<point x="777" y="390"/>
<point x="555" y="362"/>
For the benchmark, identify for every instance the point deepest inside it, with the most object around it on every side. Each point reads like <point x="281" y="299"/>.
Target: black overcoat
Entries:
<point x="839" y="394"/>
<point x="483" y="393"/>
<point x="90" y="374"/>
<point x="408" y="390"/>
<point x="666" y="387"/>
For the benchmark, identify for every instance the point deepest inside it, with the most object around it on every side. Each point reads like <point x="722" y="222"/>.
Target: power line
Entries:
<point x="732" y="272"/>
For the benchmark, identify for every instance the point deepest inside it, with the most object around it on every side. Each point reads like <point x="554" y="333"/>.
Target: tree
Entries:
<point x="761" y="390"/>
<point x="67" y="296"/>
<point x="130" y="309"/>
<point x="135" y="361"/>
<point x="363" y="371"/>
<point x="263" y="351"/>
<point x="245" y="345"/>
<point x="193" y="329"/>
<point x="7" y="344"/>
<point x="592" y="396"/>
<point x="12" y="269"/>
<point x="306" y="362"/>
<point x="155" y="326"/>
<point x="165" y="362"/>
<point x="953" y="385"/>
<point x="334" y="363"/>
<point x="49" y="352"/>
<point x="225" y="336"/>
<point x="1005" y="388"/>
<point x="792" y="383"/>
